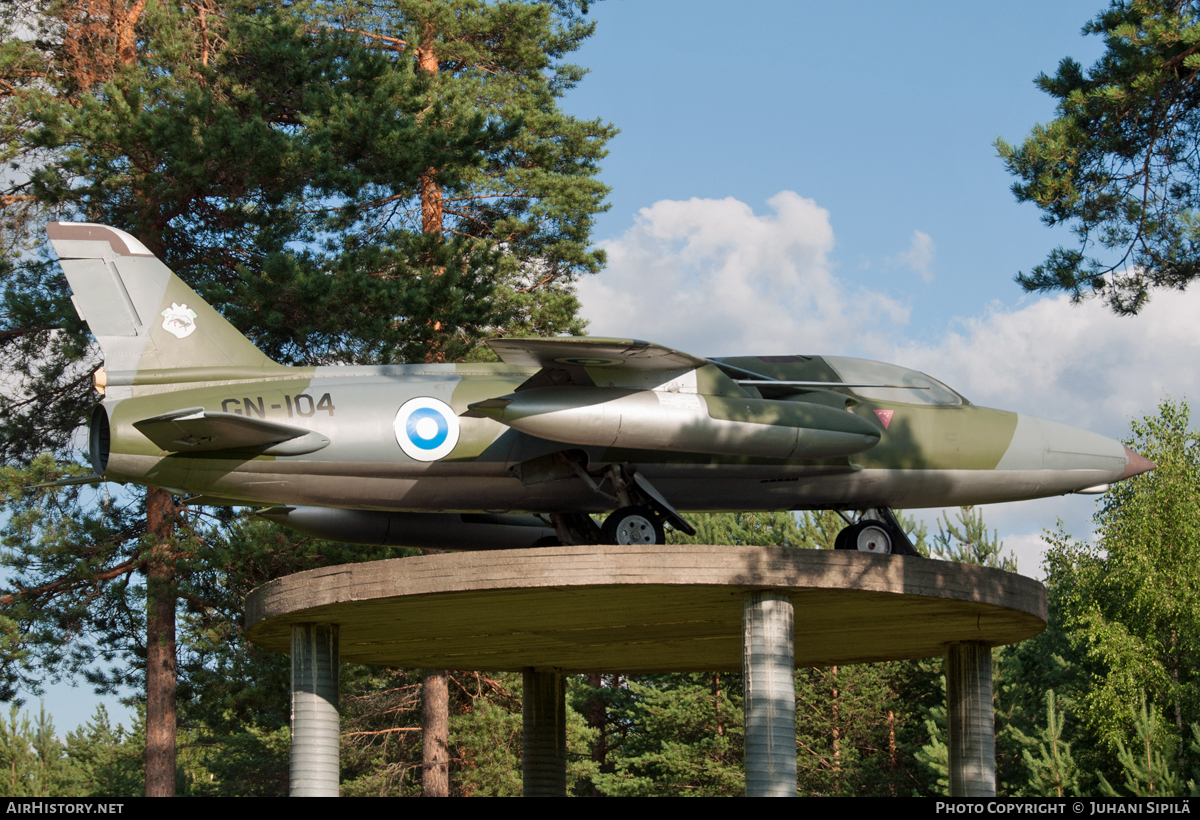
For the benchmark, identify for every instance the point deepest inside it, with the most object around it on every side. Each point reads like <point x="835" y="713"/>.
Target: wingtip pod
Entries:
<point x="1137" y="465"/>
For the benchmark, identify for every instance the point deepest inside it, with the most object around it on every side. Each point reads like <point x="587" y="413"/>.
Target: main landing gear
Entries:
<point x="876" y="531"/>
<point x="633" y="525"/>
<point x="643" y="514"/>
<point x="641" y="517"/>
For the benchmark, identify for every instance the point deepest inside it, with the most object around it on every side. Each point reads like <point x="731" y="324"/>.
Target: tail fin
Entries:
<point x="144" y="317"/>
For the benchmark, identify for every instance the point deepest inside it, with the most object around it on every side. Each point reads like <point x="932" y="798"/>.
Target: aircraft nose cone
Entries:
<point x="1138" y="464"/>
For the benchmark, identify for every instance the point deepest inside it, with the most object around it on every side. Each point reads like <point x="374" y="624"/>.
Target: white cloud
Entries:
<point x="1078" y="364"/>
<point x="1029" y="549"/>
<point x="712" y="277"/>
<point x="918" y="258"/>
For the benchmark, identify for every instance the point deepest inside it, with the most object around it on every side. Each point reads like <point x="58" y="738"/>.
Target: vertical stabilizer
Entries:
<point x="143" y="315"/>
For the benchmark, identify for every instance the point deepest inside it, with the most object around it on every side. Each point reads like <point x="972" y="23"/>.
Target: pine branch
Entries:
<point x="70" y="584"/>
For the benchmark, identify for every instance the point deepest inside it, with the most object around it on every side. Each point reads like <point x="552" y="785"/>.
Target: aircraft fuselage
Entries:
<point x="927" y="455"/>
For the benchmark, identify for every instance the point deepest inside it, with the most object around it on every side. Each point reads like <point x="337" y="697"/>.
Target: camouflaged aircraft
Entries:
<point x="526" y="451"/>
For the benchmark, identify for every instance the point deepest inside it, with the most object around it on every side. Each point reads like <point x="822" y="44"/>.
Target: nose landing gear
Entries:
<point x="876" y="531"/>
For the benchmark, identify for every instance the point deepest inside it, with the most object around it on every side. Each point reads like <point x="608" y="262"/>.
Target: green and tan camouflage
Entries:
<point x="508" y="454"/>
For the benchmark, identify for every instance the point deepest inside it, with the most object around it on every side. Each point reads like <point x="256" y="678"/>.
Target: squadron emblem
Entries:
<point x="178" y="320"/>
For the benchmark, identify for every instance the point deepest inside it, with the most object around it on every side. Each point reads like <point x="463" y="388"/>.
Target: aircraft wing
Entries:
<point x="588" y="351"/>
<point x="198" y="430"/>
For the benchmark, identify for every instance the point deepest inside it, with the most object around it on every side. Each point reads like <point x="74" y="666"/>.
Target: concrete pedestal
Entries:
<point x="770" y="699"/>
<point x="635" y="609"/>
<point x="971" y="719"/>
<point x="544" y="733"/>
<point x="315" y="765"/>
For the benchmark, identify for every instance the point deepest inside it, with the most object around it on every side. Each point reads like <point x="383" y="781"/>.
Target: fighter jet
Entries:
<point x="527" y="451"/>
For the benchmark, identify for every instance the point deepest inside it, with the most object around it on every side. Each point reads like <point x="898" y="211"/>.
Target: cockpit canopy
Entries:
<point x="919" y="388"/>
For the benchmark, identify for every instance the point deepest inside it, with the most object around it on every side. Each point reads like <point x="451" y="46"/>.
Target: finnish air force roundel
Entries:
<point x="426" y="429"/>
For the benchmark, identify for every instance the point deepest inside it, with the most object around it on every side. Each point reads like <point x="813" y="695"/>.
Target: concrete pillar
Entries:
<point x="315" y="765"/>
<point x="544" y="733"/>
<point x="970" y="715"/>
<point x="770" y="699"/>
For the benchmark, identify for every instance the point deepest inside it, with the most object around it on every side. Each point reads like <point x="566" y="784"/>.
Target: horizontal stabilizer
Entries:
<point x="69" y="482"/>
<point x="198" y="430"/>
<point x="586" y="351"/>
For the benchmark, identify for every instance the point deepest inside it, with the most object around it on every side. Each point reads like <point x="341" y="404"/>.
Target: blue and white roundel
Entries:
<point x="426" y="429"/>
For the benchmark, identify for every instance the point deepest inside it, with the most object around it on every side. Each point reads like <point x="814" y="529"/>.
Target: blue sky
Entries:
<point x="882" y="113"/>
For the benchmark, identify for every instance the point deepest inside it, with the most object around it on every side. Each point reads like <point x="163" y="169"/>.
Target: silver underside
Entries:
<point x="472" y="488"/>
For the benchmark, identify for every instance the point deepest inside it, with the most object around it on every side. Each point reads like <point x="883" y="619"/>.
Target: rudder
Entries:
<point x="143" y="316"/>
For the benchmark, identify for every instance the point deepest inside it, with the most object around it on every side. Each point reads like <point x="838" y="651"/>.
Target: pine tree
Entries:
<point x="858" y="727"/>
<point x="1118" y="163"/>
<point x="681" y="735"/>
<point x="1053" y="773"/>
<point x="33" y="762"/>
<point x="108" y="761"/>
<point x="934" y="756"/>
<point x="744" y="529"/>
<point x="537" y="196"/>
<point x="1149" y="768"/>
<point x="322" y="139"/>
<point x="968" y="542"/>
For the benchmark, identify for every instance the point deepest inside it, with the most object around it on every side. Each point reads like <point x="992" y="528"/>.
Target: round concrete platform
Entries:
<point x="640" y="609"/>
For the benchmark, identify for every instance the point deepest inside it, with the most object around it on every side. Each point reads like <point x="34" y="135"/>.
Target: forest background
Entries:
<point x="880" y="278"/>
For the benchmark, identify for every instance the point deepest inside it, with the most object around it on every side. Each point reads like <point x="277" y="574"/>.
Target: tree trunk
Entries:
<point x="431" y="203"/>
<point x="837" y="735"/>
<point x="716" y="693"/>
<point x="432" y="211"/>
<point x="435" y="736"/>
<point x="431" y="190"/>
<point x="893" y="755"/>
<point x="597" y="718"/>
<point x="1183" y="745"/>
<point x="435" y="695"/>
<point x="160" y="646"/>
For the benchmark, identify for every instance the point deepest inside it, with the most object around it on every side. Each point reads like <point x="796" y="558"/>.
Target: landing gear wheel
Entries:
<point x="633" y="525"/>
<point x="871" y="536"/>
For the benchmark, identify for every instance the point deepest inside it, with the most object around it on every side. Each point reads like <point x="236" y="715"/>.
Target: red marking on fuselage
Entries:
<point x="885" y="416"/>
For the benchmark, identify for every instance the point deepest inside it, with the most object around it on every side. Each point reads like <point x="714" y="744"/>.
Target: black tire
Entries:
<point x="633" y="525"/>
<point x="546" y="541"/>
<point x="842" y="541"/>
